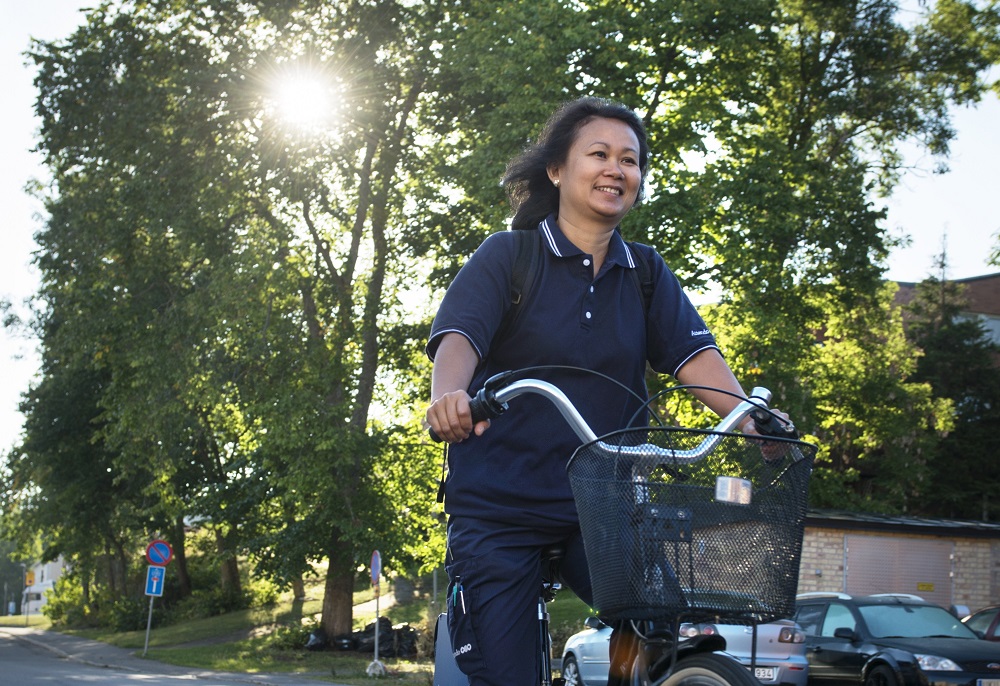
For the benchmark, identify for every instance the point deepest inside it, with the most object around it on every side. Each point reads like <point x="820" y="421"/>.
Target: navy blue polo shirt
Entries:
<point x="515" y="472"/>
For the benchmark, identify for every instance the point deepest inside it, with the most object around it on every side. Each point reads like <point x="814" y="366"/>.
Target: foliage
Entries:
<point x="959" y="362"/>
<point x="878" y="423"/>
<point x="234" y="299"/>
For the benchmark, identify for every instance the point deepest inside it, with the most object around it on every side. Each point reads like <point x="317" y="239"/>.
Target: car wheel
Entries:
<point x="880" y="676"/>
<point x="571" y="672"/>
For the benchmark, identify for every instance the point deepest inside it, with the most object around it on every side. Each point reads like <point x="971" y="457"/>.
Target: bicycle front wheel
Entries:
<point x="709" y="669"/>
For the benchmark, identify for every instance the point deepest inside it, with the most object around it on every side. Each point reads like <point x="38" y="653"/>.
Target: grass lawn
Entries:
<point x="33" y="621"/>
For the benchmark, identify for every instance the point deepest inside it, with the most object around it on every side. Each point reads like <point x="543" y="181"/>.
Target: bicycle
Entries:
<point x="680" y="526"/>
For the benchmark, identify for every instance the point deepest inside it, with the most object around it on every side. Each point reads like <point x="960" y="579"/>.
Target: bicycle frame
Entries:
<point x="667" y="653"/>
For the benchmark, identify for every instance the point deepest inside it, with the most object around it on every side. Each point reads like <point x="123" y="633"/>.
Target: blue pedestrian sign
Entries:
<point x="154" y="581"/>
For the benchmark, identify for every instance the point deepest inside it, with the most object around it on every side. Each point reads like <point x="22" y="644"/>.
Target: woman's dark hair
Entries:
<point x="531" y="193"/>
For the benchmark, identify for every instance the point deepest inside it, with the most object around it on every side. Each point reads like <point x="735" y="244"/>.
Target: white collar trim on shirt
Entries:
<point x="548" y="232"/>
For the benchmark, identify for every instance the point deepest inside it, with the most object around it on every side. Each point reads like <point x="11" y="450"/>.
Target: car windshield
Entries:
<point x="912" y="621"/>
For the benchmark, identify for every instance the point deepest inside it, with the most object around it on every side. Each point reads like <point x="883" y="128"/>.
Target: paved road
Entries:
<point x="31" y="656"/>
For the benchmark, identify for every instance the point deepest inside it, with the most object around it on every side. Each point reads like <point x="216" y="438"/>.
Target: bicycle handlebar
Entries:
<point x="491" y="401"/>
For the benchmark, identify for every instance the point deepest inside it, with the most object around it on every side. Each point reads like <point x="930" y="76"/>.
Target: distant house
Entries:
<point x="45" y="577"/>
<point x="983" y="293"/>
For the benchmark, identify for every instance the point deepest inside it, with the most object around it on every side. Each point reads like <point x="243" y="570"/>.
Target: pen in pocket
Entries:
<point x="458" y="594"/>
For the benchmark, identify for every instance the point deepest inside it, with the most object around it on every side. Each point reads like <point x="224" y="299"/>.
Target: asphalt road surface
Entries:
<point x="29" y="657"/>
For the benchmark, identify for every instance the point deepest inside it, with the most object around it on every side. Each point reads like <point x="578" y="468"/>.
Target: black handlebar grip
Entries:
<point x="479" y="406"/>
<point x="483" y="406"/>
<point x="769" y="424"/>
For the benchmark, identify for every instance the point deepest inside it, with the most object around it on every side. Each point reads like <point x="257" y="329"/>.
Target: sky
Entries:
<point x="956" y="211"/>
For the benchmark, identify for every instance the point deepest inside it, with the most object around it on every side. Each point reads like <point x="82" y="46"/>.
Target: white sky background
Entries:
<point x="926" y="207"/>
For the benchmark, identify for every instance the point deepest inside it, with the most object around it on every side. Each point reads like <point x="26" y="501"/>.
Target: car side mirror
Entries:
<point x="845" y="633"/>
<point x="593" y="622"/>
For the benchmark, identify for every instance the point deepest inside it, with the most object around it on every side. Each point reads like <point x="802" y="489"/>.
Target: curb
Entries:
<point x="226" y="676"/>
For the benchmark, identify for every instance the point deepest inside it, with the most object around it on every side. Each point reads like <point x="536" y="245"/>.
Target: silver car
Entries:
<point x="781" y="652"/>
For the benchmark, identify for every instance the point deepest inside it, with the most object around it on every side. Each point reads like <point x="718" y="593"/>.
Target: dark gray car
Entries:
<point x="891" y="640"/>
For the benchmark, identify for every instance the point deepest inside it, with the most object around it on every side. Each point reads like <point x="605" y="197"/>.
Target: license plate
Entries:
<point x="767" y="674"/>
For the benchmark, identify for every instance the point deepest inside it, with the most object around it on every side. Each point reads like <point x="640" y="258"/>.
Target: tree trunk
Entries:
<point x="177" y="541"/>
<point x="119" y="570"/>
<point x="298" y="587"/>
<point x="228" y="566"/>
<point x="338" y="605"/>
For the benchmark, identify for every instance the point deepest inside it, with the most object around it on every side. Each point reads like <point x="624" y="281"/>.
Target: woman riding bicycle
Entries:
<point x="507" y="494"/>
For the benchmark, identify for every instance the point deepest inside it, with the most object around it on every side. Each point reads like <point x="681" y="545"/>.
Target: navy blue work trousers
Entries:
<point x="495" y="574"/>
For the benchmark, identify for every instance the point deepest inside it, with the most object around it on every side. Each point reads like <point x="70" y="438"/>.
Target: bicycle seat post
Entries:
<point x="551" y="556"/>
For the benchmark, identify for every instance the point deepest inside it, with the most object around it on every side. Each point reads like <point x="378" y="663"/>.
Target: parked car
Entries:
<point x="891" y="640"/>
<point x="985" y="622"/>
<point x="780" y="652"/>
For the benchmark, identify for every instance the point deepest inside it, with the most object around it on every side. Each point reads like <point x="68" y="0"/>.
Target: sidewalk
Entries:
<point x="98" y="654"/>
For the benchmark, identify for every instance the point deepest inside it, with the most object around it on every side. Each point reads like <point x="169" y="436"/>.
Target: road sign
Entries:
<point x="154" y="580"/>
<point x="376" y="567"/>
<point x="29" y="577"/>
<point x="159" y="553"/>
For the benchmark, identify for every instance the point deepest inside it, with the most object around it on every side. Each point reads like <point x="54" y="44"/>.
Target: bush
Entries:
<point x="262" y="593"/>
<point x="130" y="614"/>
<point x="65" y="606"/>
<point x="208" y="602"/>
<point x="291" y="637"/>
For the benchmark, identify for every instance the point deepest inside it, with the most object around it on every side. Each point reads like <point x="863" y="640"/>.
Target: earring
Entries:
<point x="555" y="182"/>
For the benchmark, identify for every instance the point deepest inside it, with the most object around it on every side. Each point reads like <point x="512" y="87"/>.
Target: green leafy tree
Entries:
<point x="238" y="280"/>
<point x="959" y="362"/>
<point x="878" y="423"/>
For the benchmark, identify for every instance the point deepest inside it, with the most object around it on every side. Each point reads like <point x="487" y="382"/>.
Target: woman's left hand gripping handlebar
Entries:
<point x="450" y="418"/>
<point x="770" y="423"/>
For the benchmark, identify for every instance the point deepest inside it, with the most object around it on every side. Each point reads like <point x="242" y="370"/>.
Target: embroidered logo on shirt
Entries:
<point x="703" y="332"/>
<point x="464" y="649"/>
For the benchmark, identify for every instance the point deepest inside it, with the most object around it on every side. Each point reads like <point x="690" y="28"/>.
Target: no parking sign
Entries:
<point x="376" y="568"/>
<point x="159" y="553"/>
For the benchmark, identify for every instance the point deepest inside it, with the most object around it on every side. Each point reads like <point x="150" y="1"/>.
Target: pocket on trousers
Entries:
<point x="462" y="616"/>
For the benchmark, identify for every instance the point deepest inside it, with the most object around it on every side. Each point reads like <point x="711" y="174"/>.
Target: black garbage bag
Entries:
<point x="344" y="642"/>
<point x="393" y="641"/>
<point x="404" y="640"/>
<point x="317" y="640"/>
<point x="365" y="639"/>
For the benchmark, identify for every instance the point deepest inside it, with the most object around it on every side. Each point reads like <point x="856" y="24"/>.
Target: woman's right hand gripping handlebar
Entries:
<point x="449" y="416"/>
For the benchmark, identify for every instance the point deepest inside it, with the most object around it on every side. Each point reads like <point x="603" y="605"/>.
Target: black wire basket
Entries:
<point x="671" y="537"/>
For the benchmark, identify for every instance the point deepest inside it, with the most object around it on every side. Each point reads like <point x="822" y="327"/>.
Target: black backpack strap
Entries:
<point x="528" y="250"/>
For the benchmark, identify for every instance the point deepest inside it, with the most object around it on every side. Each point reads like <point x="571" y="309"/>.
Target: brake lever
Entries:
<point x="769" y="424"/>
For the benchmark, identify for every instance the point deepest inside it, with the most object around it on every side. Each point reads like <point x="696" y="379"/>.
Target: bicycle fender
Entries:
<point x="700" y="644"/>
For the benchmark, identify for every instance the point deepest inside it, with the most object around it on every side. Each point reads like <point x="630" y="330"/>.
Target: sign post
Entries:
<point x="376" y="668"/>
<point x="28" y="581"/>
<point x="158" y="554"/>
